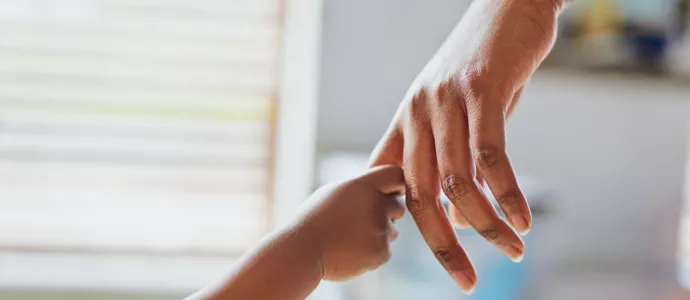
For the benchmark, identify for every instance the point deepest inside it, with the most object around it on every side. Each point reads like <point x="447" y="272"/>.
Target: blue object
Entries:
<point x="650" y="46"/>
<point x="506" y="278"/>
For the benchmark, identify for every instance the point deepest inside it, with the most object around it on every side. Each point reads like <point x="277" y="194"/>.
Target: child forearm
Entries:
<point x="286" y="265"/>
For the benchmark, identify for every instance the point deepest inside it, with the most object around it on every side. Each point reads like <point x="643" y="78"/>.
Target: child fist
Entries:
<point x="351" y="224"/>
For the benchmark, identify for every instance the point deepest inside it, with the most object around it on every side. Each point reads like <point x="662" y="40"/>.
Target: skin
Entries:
<point x="342" y="231"/>
<point x="448" y="134"/>
<point x="449" y="131"/>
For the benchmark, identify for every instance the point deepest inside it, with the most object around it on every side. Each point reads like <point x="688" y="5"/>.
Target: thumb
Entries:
<point x="388" y="179"/>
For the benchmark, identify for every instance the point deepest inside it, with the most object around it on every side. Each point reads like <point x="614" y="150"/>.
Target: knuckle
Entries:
<point x="491" y="233"/>
<point x="456" y="188"/>
<point x="417" y="105"/>
<point x="416" y="208"/>
<point x="415" y="201"/>
<point x="508" y="199"/>
<point x="487" y="156"/>
<point x="470" y="76"/>
<point x="443" y="255"/>
<point x="446" y="92"/>
<point x="480" y="81"/>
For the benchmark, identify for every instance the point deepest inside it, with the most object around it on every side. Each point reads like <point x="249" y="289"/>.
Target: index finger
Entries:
<point x="389" y="149"/>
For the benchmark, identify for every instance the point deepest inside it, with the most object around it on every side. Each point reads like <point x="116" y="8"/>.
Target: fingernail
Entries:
<point x="520" y="254"/>
<point x="464" y="281"/>
<point x="520" y="223"/>
<point x="516" y="254"/>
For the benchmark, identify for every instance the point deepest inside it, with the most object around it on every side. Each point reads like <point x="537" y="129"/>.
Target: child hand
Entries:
<point x="344" y="230"/>
<point x="351" y="223"/>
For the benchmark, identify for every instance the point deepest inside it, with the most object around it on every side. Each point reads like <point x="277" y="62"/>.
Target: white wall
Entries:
<point x="371" y="51"/>
<point x="612" y="147"/>
<point x="614" y="150"/>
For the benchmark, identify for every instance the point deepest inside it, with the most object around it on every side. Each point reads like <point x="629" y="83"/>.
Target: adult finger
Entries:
<point x="457" y="218"/>
<point x="487" y="136"/>
<point x="480" y="178"/>
<point x="513" y="102"/>
<point x="389" y="150"/>
<point x="458" y="181"/>
<point x="423" y="202"/>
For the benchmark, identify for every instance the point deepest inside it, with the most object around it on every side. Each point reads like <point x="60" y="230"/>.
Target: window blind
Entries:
<point x="136" y="125"/>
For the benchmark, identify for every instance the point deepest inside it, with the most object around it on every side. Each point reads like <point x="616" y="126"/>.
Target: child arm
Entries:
<point x="342" y="231"/>
<point x="286" y="265"/>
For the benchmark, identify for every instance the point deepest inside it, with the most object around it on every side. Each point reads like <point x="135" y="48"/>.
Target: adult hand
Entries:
<point x="448" y="132"/>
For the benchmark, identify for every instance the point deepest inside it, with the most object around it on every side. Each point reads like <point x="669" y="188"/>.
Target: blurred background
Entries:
<point x="146" y="144"/>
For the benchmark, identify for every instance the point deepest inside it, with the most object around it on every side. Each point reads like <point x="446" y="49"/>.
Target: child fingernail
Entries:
<point x="464" y="281"/>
